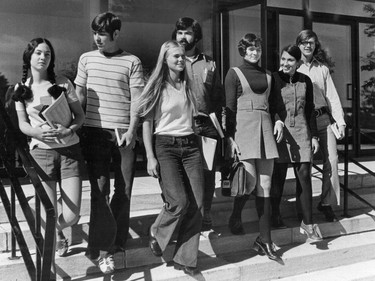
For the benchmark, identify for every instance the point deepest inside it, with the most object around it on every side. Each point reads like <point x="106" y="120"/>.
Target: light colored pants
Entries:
<point x="328" y="147"/>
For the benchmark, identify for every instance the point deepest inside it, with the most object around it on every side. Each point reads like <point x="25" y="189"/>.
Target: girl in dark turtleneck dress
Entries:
<point x="251" y="135"/>
<point x="300" y="140"/>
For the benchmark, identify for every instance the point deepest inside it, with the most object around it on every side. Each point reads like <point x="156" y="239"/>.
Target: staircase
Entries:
<point x="348" y="243"/>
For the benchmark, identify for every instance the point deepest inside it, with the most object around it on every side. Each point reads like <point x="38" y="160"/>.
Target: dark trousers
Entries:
<point x="181" y="182"/>
<point x="204" y="127"/>
<point x="302" y="173"/>
<point x="109" y="222"/>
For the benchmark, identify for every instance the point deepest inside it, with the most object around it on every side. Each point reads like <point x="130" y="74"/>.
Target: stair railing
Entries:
<point x="345" y="185"/>
<point x="40" y="271"/>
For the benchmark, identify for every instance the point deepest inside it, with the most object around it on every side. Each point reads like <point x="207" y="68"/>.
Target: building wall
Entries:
<point x="147" y="24"/>
<point x="66" y="23"/>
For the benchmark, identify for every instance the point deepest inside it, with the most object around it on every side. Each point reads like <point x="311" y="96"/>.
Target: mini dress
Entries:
<point x="254" y="128"/>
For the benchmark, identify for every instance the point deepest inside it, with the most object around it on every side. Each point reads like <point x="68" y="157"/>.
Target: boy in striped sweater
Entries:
<point x="108" y="80"/>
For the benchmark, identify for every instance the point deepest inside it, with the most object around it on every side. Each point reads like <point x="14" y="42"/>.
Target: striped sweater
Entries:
<point x="108" y="81"/>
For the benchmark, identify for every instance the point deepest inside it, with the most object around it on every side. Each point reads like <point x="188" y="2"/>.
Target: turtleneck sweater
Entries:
<point x="257" y="79"/>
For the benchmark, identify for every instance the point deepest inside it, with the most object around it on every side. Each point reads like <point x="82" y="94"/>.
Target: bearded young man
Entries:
<point x="205" y="83"/>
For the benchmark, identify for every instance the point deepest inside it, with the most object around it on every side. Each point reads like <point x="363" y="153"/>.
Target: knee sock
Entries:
<point x="238" y="205"/>
<point x="263" y="207"/>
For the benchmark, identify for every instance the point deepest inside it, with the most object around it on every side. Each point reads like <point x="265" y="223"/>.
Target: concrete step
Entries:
<point x="145" y="208"/>
<point x="229" y="257"/>
<point x="146" y="191"/>
<point x="364" y="271"/>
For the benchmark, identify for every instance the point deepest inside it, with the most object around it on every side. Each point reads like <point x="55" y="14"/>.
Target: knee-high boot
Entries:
<point x="235" y="222"/>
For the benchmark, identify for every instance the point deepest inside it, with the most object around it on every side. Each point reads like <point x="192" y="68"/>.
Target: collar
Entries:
<point x="286" y="78"/>
<point x="198" y="56"/>
<point x="109" y="55"/>
<point x="314" y="61"/>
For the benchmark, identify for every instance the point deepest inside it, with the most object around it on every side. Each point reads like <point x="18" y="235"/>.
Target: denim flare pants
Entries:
<point x="182" y="184"/>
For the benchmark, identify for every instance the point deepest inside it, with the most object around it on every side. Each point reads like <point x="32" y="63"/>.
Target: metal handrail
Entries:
<point x="345" y="185"/>
<point x="346" y="173"/>
<point x="44" y="246"/>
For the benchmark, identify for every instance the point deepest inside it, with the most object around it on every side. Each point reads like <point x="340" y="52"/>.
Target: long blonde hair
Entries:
<point x="156" y="83"/>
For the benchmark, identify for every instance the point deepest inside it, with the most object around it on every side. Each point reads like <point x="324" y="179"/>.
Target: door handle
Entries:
<point x="349" y="91"/>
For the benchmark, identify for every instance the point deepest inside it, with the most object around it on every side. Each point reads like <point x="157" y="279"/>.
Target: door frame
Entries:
<point x="223" y="11"/>
<point x="269" y="17"/>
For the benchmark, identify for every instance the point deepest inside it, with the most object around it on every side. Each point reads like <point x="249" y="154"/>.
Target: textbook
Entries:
<point x="335" y="130"/>
<point x="216" y="124"/>
<point x="119" y="133"/>
<point x="58" y="113"/>
<point x="219" y="131"/>
<point x="208" y="148"/>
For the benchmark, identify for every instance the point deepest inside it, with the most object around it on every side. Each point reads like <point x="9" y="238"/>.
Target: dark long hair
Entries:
<point x="22" y="92"/>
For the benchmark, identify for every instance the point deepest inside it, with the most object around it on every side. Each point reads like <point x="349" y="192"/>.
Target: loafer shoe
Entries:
<point x="154" y="245"/>
<point x="267" y="249"/>
<point x="189" y="270"/>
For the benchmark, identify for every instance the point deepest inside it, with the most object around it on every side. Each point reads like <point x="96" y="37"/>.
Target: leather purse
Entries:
<point x="233" y="181"/>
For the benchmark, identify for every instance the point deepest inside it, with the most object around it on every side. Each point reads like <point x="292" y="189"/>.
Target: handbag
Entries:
<point x="233" y="180"/>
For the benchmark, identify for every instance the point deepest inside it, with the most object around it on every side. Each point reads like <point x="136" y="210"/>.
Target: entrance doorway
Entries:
<point x="342" y="37"/>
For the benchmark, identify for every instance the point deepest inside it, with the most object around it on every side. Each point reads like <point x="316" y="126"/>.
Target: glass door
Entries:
<point x="336" y="41"/>
<point x="235" y="23"/>
<point x="366" y="116"/>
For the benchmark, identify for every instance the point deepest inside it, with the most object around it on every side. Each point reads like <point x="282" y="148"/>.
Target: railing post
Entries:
<point x="11" y="159"/>
<point x="13" y="217"/>
<point x="346" y="173"/>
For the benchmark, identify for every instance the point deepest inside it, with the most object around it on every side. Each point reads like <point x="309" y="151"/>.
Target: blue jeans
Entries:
<point x="328" y="147"/>
<point x="182" y="185"/>
<point x="109" y="222"/>
<point x="204" y="127"/>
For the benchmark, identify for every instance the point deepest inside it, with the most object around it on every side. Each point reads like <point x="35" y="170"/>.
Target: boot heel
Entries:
<point x="256" y="247"/>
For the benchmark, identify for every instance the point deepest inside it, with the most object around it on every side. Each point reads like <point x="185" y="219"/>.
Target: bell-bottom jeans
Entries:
<point x="182" y="184"/>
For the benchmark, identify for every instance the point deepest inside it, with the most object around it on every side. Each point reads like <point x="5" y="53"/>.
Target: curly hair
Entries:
<point x="185" y="23"/>
<point x="248" y="40"/>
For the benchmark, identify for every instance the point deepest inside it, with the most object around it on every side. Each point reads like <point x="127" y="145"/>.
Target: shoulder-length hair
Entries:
<point x="319" y="53"/>
<point x="156" y="83"/>
<point x="249" y="39"/>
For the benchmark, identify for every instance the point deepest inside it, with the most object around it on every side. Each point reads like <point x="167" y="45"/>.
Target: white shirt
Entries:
<point x="325" y="93"/>
<point x="174" y="114"/>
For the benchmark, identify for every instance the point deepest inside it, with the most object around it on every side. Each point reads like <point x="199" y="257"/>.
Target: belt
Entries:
<point x="181" y="140"/>
<point x="321" y="111"/>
